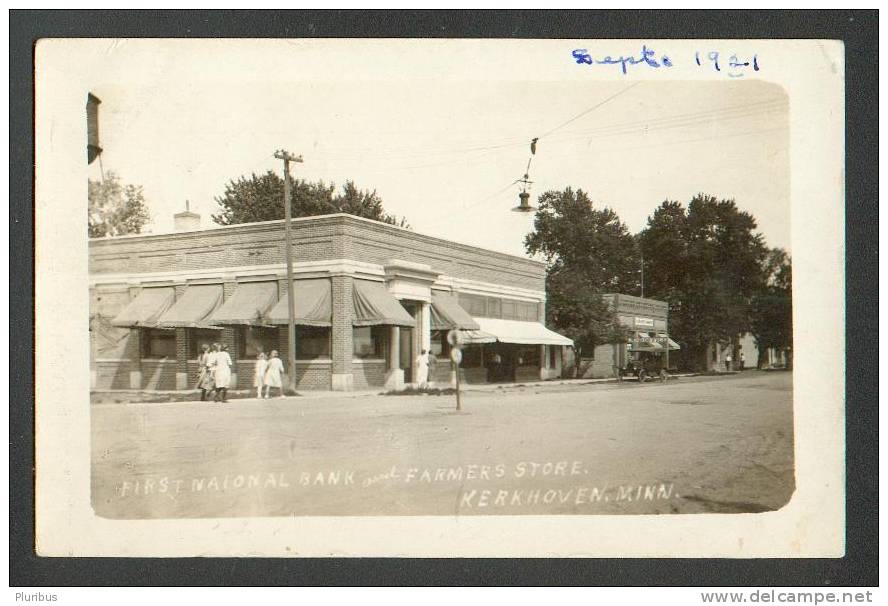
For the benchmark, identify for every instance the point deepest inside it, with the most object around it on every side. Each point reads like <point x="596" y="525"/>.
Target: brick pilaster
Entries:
<point x="342" y="335"/>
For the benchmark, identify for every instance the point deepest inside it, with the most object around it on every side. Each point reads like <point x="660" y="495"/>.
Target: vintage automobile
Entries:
<point x="644" y="365"/>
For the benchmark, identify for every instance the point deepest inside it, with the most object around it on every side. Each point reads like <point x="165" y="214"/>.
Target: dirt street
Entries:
<point x="705" y="444"/>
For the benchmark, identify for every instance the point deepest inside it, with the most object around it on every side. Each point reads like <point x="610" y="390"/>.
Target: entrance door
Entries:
<point x="405" y="350"/>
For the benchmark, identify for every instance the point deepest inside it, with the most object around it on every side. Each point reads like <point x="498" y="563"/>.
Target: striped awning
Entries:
<point x="248" y="305"/>
<point x="194" y="308"/>
<point x="375" y="306"/>
<point x="313" y="302"/>
<point x="447" y="314"/>
<point x="146" y="309"/>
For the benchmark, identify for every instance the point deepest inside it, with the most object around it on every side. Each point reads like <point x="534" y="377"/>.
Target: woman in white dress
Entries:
<point x="274" y="374"/>
<point x="204" y="376"/>
<point x="259" y="373"/>
<point x="422" y="370"/>
<point x="222" y="373"/>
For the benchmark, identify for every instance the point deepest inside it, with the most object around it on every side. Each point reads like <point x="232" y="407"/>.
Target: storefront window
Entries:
<point x="472" y="356"/>
<point x="157" y="344"/>
<point x="528" y="356"/>
<point x="255" y="339"/>
<point x="553" y="355"/>
<point x="312" y="342"/>
<point x="369" y="341"/>
<point x="197" y="337"/>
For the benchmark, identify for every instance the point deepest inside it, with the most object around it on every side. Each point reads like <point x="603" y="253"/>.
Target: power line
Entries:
<point x="591" y="109"/>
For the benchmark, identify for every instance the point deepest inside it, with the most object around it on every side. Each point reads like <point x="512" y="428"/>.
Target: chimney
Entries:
<point x="186" y="220"/>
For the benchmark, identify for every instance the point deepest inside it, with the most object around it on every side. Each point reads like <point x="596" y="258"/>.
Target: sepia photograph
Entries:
<point x="395" y="290"/>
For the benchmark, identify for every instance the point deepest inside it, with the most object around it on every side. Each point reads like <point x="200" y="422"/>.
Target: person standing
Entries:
<point x="274" y="374"/>
<point x="742" y="361"/>
<point x="422" y="370"/>
<point x="728" y="361"/>
<point x="222" y="373"/>
<point x="259" y="373"/>
<point x="204" y="375"/>
<point x="433" y="363"/>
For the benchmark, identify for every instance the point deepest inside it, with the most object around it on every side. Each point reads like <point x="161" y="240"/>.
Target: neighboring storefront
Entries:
<point x="647" y="328"/>
<point x="368" y="298"/>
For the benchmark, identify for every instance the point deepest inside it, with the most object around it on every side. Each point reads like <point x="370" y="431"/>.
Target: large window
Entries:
<point x="198" y="337"/>
<point x="439" y="345"/>
<point x="254" y="339"/>
<point x="158" y="344"/>
<point x="312" y="342"/>
<point x="528" y="356"/>
<point x="472" y="356"/>
<point x="494" y="307"/>
<point x="369" y="341"/>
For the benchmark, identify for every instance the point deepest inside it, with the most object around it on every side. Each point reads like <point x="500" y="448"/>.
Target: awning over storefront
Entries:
<point x="313" y="302"/>
<point x="248" y="305"/>
<point x="374" y="306"/>
<point x="515" y="331"/>
<point x="146" y="308"/>
<point x="194" y="308"/>
<point x="672" y="344"/>
<point x="447" y="314"/>
<point x="644" y="342"/>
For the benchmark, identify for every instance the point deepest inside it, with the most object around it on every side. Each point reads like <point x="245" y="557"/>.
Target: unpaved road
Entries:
<point x="707" y="444"/>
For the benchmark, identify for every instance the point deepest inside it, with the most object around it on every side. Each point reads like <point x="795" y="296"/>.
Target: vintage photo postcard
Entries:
<point x="439" y="297"/>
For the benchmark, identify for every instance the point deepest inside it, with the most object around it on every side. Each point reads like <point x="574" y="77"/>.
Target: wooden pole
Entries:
<point x="288" y="245"/>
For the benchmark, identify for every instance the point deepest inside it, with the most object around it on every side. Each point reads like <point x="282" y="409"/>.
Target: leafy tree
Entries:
<point x="115" y="209"/>
<point x="772" y="306"/>
<point x="707" y="262"/>
<point x="259" y="198"/>
<point x="588" y="252"/>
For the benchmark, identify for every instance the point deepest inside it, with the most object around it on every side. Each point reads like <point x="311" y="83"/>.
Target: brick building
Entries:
<point x="647" y="325"/>
<point x="368" y="297"/>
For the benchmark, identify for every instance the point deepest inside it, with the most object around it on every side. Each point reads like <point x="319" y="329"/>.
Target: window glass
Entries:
<point x="200" y="336"/>
<point x="510" y="310"/>
<point x="369" y="341"/>
<point x="257" y="338"/>
<point x="494" y="309"/>
<point x="528" y="356"/>
<point x="157" y="344"/>
<point x="312" y="342"/>
<point x="472" y="356"/>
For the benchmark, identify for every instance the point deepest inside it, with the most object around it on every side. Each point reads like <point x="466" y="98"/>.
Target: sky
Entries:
<point x="445" y="153"/>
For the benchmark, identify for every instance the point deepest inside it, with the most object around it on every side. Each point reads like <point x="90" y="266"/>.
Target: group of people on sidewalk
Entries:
<point x="214" y="375"/>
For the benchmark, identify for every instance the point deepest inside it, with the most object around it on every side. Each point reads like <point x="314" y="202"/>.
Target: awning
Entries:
<point x="374" y="305"/>
<point x="194" y="308"/>
<point x="313" y="303"/>
<point x="146" y="308"/>
<point x="515" y="331"/>
<point x="447" y="314"/>
<point x="645" y="344"/>
<point x="672" y="344"/>
<point x="476" y="337"/>
<point x="248" y="305"/>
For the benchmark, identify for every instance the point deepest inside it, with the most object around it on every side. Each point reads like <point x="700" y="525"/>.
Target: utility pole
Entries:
<point x="287" y="157"/>
<point x="642" y="274"/>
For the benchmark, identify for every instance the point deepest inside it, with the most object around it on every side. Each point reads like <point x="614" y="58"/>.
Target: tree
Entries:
<point x="259" y="198"/>
<point x="707" y="262"/>
<point x="588" y="252"/>
<point x="115" y="209"/>
<point x="772" y="306"/>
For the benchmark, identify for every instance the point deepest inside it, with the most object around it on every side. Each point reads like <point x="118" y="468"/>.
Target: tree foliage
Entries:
<point x="772" y="306"/>
<point x="115" y="209"/>
<point x="588" y="252"/>
<point x="707" y="262"/>
<point x="260" y="198"/>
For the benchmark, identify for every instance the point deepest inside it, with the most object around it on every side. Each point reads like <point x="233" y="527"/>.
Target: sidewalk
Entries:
<point x="123" y="396"/>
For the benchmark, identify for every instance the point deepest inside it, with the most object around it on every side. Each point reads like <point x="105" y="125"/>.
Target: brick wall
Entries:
<point x="159" y="374"/>
<point x="369" y="374"/>
<point x="317" y="239"/>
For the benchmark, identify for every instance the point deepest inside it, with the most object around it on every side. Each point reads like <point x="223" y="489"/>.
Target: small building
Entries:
<point x="647" y="326"/>
<point x="368" y="298"/>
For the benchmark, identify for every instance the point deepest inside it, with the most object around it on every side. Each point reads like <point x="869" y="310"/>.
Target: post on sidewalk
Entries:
<point x="287" y="157"/>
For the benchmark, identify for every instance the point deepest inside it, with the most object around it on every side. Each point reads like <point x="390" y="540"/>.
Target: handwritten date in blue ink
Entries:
<point x="647" y="58"/>
<point x="734" y="67"/>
